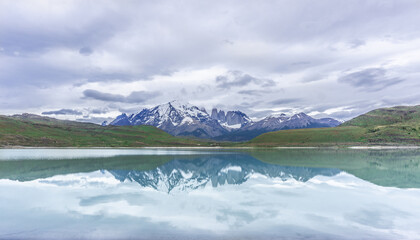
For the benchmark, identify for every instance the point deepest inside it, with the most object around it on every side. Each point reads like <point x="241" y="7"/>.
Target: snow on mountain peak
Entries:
<point x="180" y="105"/>
<point x="277" y="115"/>
<point x="188" y="109"/>
<point x="300" y="115"/>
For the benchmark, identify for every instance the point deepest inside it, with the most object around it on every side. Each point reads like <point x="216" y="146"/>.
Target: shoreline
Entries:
<point x="384" y="147"/>
<point x="376" y="147"/>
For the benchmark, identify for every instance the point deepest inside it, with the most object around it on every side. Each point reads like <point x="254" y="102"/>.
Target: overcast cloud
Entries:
<point x="133" y="97"/>
<point x="63" y="112"/>
<point x="326" y="58"/>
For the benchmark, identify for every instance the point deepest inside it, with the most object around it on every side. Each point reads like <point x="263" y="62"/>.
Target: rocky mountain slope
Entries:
<point x="232" y="119"/>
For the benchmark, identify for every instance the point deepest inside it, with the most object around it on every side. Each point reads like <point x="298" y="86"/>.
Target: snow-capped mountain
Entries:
<point x="187" y="175"/>
<point x="184" y="119"/>
<point x="300" y="120"/>
<point x="175" y="118"/>
<point x="232" y="119"/>
<point x="275" y="123"/>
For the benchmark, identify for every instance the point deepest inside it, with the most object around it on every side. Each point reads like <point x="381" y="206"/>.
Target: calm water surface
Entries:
<point x="209" y="194"/>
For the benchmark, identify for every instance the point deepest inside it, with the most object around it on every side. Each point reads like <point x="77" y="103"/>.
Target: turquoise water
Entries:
<point x="209" y="194"/>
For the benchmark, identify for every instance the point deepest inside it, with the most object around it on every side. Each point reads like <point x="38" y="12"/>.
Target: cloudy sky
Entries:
<point x="92" y="60"/>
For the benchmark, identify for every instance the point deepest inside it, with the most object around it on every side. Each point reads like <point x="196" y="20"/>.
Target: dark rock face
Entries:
<point x="218" y="115"/>
<point x="231" y="120"/>
<point x="237" y="117"/>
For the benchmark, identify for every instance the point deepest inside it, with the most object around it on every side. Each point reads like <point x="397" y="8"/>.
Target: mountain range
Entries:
<point x="398" y="125"/>
<point x="184" y="119"/>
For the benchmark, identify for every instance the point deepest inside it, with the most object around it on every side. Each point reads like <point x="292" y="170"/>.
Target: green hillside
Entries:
<point x="396" y="125"/>
<point x="311" y="137"/>
<point x="36" y="131"/>
<point x="405" y="115"/>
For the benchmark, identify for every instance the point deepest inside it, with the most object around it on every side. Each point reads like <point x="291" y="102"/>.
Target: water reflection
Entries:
<point x="393" y="168"/>
<point x="227" y="195"/>
<point x="186" y="175"/>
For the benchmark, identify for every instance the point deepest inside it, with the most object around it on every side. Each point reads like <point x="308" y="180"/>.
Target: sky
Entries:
<point x="93" y="60"/>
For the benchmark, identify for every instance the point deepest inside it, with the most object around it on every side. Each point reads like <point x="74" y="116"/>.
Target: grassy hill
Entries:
<point x="395" y="125"/>
<point x="405" y="115"/>
<point x="398" y="125"/>
<point x="310" y="137"/>
<point x="36" y="131"/>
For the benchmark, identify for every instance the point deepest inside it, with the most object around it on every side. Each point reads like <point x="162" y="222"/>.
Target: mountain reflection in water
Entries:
<point x="215" y="170"/>
<point x="393" y="168"/>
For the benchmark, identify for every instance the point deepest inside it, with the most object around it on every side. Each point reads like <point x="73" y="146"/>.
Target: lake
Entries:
<point x="209" y="194"/>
